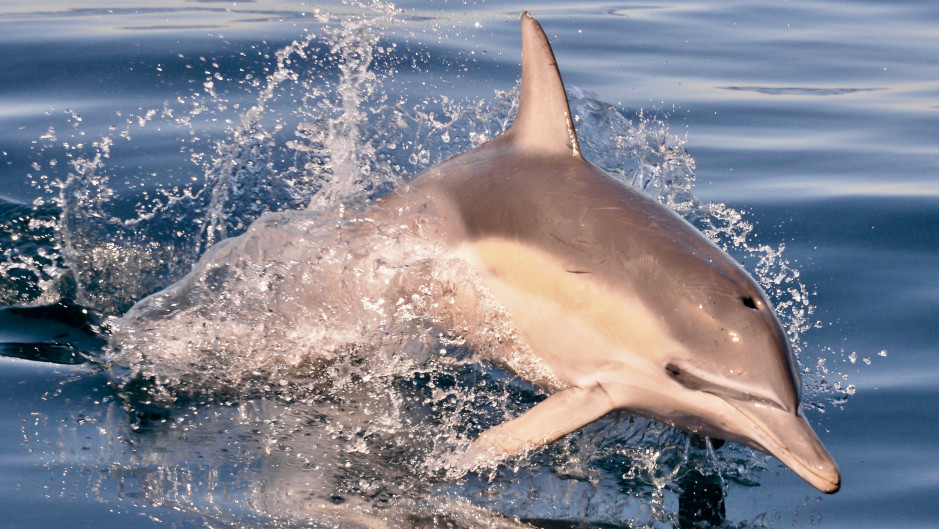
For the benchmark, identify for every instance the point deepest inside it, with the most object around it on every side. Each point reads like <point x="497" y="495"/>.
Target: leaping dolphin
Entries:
<point x="627" y="305"/>
<point x="621" y="303"/>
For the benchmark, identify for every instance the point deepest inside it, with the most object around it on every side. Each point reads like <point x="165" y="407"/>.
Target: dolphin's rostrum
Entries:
<point x="627" y="304"/>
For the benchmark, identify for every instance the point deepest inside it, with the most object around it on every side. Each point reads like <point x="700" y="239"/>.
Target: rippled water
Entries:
<point x="135" y="137"/>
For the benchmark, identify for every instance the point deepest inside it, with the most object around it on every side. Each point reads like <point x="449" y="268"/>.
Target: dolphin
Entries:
<point x="625" y="304"/>
<point x="614" y="301"/>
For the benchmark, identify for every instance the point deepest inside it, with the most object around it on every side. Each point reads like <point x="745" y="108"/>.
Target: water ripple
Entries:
<point x="798" y="90"/>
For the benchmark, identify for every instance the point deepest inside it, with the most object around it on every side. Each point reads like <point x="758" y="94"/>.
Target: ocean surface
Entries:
<point x="801" y="135"/>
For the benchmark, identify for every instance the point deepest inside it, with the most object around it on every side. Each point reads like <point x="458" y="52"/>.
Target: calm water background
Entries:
<point x="819" y="119"/>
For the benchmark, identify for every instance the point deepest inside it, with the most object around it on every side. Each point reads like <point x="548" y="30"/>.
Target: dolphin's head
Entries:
<point x="731" y="372"/>
<point x="729" y="334"/>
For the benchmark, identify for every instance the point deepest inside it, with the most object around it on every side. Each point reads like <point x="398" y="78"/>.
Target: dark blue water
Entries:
<point x="817" y="120"/>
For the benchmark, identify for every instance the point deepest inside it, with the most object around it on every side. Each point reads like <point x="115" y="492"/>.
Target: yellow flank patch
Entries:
<point x="534" y="272"/>
<point x="538" y="291"/>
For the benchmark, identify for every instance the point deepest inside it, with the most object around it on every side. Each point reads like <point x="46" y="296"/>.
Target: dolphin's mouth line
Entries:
<point x="791" y="456"/>
<point x="699" y="383"/>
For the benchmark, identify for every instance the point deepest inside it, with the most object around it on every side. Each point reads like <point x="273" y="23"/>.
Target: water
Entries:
<point x="134" y="137"/>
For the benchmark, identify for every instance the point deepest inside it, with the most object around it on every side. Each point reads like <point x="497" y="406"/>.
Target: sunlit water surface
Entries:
<point x="800" y="136"/>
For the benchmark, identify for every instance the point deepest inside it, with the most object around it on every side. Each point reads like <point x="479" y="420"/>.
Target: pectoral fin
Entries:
<point x="558" y="415"/>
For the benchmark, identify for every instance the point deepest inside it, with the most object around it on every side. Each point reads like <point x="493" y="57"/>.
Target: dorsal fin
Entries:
<point x="543" y="121"/>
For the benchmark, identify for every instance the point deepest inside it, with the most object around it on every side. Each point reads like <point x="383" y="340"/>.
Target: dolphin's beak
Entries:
<point x="788" y="437"/>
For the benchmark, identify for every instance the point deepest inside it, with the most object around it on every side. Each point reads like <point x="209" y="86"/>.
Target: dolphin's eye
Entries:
<point x="749" y="302"/>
